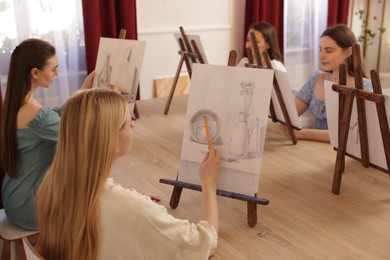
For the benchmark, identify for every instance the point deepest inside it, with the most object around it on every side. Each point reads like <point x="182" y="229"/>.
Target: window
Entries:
<point x="304" y="22"/>
<point x="56" y="21"/>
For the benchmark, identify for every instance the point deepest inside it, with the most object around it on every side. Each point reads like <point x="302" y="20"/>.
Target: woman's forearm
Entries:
<point x="321" y="135"/>
<point x="209" y="205"/>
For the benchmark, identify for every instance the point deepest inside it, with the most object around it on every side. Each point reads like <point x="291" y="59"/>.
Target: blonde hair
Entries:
<point x="67" y="200"/>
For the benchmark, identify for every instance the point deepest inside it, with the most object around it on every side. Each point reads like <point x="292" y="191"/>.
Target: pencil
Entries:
<point x="206" y="126"/>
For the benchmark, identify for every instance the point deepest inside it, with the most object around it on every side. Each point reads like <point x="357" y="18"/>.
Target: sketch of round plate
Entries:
<point x="197" y="127"/>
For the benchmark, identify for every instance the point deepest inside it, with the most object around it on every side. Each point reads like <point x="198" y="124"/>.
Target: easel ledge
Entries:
<point x="369" y="164"/>
<point x="252" y="201"/>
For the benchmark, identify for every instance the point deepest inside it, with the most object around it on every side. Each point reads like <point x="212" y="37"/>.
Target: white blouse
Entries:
<point x="135" y="227"/>
<point x="276" y="65"/>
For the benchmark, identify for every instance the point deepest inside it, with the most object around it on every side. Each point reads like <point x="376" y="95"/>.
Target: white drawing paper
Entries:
<point x="235" y="102"/>
<point x="119" y="62"/>
<point x="375" y="144"/>
<point x="289" y="100"/>
<point x="198" y="42"/>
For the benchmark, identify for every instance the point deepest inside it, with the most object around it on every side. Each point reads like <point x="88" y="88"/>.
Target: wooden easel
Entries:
<point x="346" y="96"/>
<point x="122" y="35"/>
<point x="252" y="201"/>
<point x="278" y="93"/>
<point x="189" y="53"/>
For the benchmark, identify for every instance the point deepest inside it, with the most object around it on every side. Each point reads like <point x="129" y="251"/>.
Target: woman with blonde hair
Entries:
<point x="82" y="214"/>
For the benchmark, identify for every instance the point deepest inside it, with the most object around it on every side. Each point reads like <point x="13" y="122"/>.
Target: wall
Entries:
<point x="219" y="23"/>
<point x="376" y="15"/>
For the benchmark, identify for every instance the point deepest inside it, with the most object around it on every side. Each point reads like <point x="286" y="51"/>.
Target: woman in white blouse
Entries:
<point x="81" y="214"/>
<point x="266" y="40"/>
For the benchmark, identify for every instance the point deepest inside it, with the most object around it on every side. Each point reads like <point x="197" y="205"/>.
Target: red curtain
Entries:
<point x="338" y="12"/>
<point x="266" y="11"/>
<point x="105" y="18"/>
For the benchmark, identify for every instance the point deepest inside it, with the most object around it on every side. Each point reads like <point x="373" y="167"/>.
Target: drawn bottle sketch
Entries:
<point x="105" y="73"/>
<point x="239" y="140"/>
<point x="242" y="134"/>
<point x="124" y="71"/>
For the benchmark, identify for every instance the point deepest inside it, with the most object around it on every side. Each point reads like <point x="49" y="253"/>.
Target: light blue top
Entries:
<point x="316" y="106"/>
<point x="36" y="147"/>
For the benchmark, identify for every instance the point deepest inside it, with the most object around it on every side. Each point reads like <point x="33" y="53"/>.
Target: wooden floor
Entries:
<point x="303" y="220"/>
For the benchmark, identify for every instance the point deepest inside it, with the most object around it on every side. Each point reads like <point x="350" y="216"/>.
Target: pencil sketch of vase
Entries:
<point x="124" y="80"/>
<point x="105" y="74"/>
<point x="241" y="135"/>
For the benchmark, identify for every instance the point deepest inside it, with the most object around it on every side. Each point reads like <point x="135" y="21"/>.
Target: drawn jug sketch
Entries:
<point x="239" y="141"/>
<point x="242" y="136"/>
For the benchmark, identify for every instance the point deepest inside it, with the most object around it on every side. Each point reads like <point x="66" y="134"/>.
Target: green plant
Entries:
<point x="368" y="34"/>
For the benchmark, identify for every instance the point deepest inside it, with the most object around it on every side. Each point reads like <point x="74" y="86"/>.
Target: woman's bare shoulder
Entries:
<point x="27" y="113"/>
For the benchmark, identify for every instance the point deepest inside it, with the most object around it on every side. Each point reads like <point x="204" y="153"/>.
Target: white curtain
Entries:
<point x="304" y="22"/>
<point x="56" y="21"/>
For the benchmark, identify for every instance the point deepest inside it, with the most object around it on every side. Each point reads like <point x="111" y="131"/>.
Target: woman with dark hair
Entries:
<point x="266" y="40"/>
<point x="28" y="134"/>
<point x="335" y="49"/>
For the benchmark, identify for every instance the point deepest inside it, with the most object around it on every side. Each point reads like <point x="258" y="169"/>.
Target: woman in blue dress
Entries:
<point x="29" y="130"/>
<point x="335" y="49"/>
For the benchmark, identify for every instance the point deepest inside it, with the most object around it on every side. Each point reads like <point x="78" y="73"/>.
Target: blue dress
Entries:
<point x="36" y="147"/>
<point x="317" y="106"/>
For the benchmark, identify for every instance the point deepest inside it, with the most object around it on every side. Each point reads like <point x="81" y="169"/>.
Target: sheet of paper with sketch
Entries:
<point x="119" y="62"/>
<point x="235" y="102"/>
<point x="375" y="144"/>
<point x="288" y="98"/>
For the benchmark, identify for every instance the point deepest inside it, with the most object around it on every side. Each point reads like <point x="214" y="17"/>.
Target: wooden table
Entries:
<point x="303" y="220"/>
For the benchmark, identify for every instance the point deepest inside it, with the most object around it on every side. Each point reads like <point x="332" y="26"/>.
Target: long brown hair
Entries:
<point x="269" y="34"/>
<point x="30" y="54"/>
<point x="67" y="200"/>
<point x="345" y="38"/>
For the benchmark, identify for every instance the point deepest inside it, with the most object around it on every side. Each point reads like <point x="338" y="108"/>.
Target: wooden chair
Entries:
<point x="31" y="253"/>
<point x="13" y="235"/>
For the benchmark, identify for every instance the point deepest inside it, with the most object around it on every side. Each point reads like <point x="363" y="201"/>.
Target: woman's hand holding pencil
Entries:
<point x="211" y="165"/>
<point x="208" y="173"/>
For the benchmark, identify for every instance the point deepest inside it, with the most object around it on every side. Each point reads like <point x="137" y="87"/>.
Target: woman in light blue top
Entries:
<point x="28" y="134"/>
<point x="335" y="49"/>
